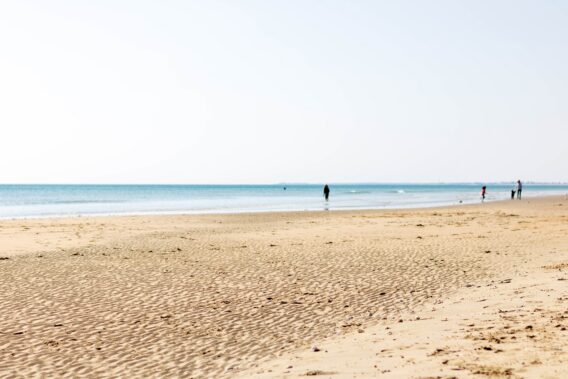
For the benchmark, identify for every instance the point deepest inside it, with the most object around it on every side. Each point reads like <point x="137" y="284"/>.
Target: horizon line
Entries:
<point x="280" y="183"/>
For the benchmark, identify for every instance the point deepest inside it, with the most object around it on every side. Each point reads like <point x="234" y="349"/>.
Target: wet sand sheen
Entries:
<point x="209" y="296"/>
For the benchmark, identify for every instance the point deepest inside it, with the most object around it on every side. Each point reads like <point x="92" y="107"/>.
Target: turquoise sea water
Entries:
<point x="20" y="201"/>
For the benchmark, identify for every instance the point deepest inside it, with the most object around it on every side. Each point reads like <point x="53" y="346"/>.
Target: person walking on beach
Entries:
<point x="326" y="192"/>
<point x="483" y="191"/>
<point x="513" y="194"/>
<point x="519" y="189"/>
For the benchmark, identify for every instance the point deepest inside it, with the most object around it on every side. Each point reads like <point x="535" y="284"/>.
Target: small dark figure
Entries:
<point x="519" y="189"/>
<point x="483" y="191"/>
<point x="326" y="192"/>
<point x="513" y="194"/>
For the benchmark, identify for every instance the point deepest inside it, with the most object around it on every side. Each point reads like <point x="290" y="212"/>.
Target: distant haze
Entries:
<point x="283" y="91"/>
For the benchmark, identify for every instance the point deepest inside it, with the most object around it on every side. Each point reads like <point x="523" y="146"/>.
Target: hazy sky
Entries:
<point x="283" y="91"/>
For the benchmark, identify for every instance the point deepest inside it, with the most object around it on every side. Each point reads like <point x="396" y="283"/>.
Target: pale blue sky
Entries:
<point x="283" y="91"/>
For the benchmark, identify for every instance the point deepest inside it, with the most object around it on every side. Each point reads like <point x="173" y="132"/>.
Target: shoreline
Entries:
<point x="59" y="201"/>
<point x="213" y="295"/>
<point x="275" y="212"/>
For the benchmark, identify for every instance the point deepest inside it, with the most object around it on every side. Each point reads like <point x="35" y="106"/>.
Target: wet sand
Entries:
<point x="225" y="295"/>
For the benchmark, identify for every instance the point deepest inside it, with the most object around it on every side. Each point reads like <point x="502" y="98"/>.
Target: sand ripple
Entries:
<point x="208" y="296"/>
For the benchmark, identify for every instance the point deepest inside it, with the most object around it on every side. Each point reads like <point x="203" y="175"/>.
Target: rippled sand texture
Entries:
<point x="208" y="296"/>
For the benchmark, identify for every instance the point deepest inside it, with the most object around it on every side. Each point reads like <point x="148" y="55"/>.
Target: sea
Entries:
<point x="37" y="200"/>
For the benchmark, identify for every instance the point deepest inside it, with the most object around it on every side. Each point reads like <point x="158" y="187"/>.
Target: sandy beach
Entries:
<point x="469" y="291"/>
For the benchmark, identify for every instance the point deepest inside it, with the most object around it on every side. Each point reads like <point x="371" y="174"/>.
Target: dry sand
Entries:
<point x="481" y="291"/>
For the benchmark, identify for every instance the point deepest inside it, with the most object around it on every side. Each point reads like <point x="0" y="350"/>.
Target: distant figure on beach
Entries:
<point x="513" y="194"/>
<point x="483" y="191"/>
<point x="519" y="189"/>
<point x="326" y="192"/>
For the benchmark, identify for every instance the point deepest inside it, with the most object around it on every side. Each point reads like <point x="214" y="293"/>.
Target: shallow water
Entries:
<point x="17" y="201"/>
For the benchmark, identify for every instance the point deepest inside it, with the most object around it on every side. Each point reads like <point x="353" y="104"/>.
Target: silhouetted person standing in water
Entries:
<point x="519" y="189"/>
<point x="326" y="192"/>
